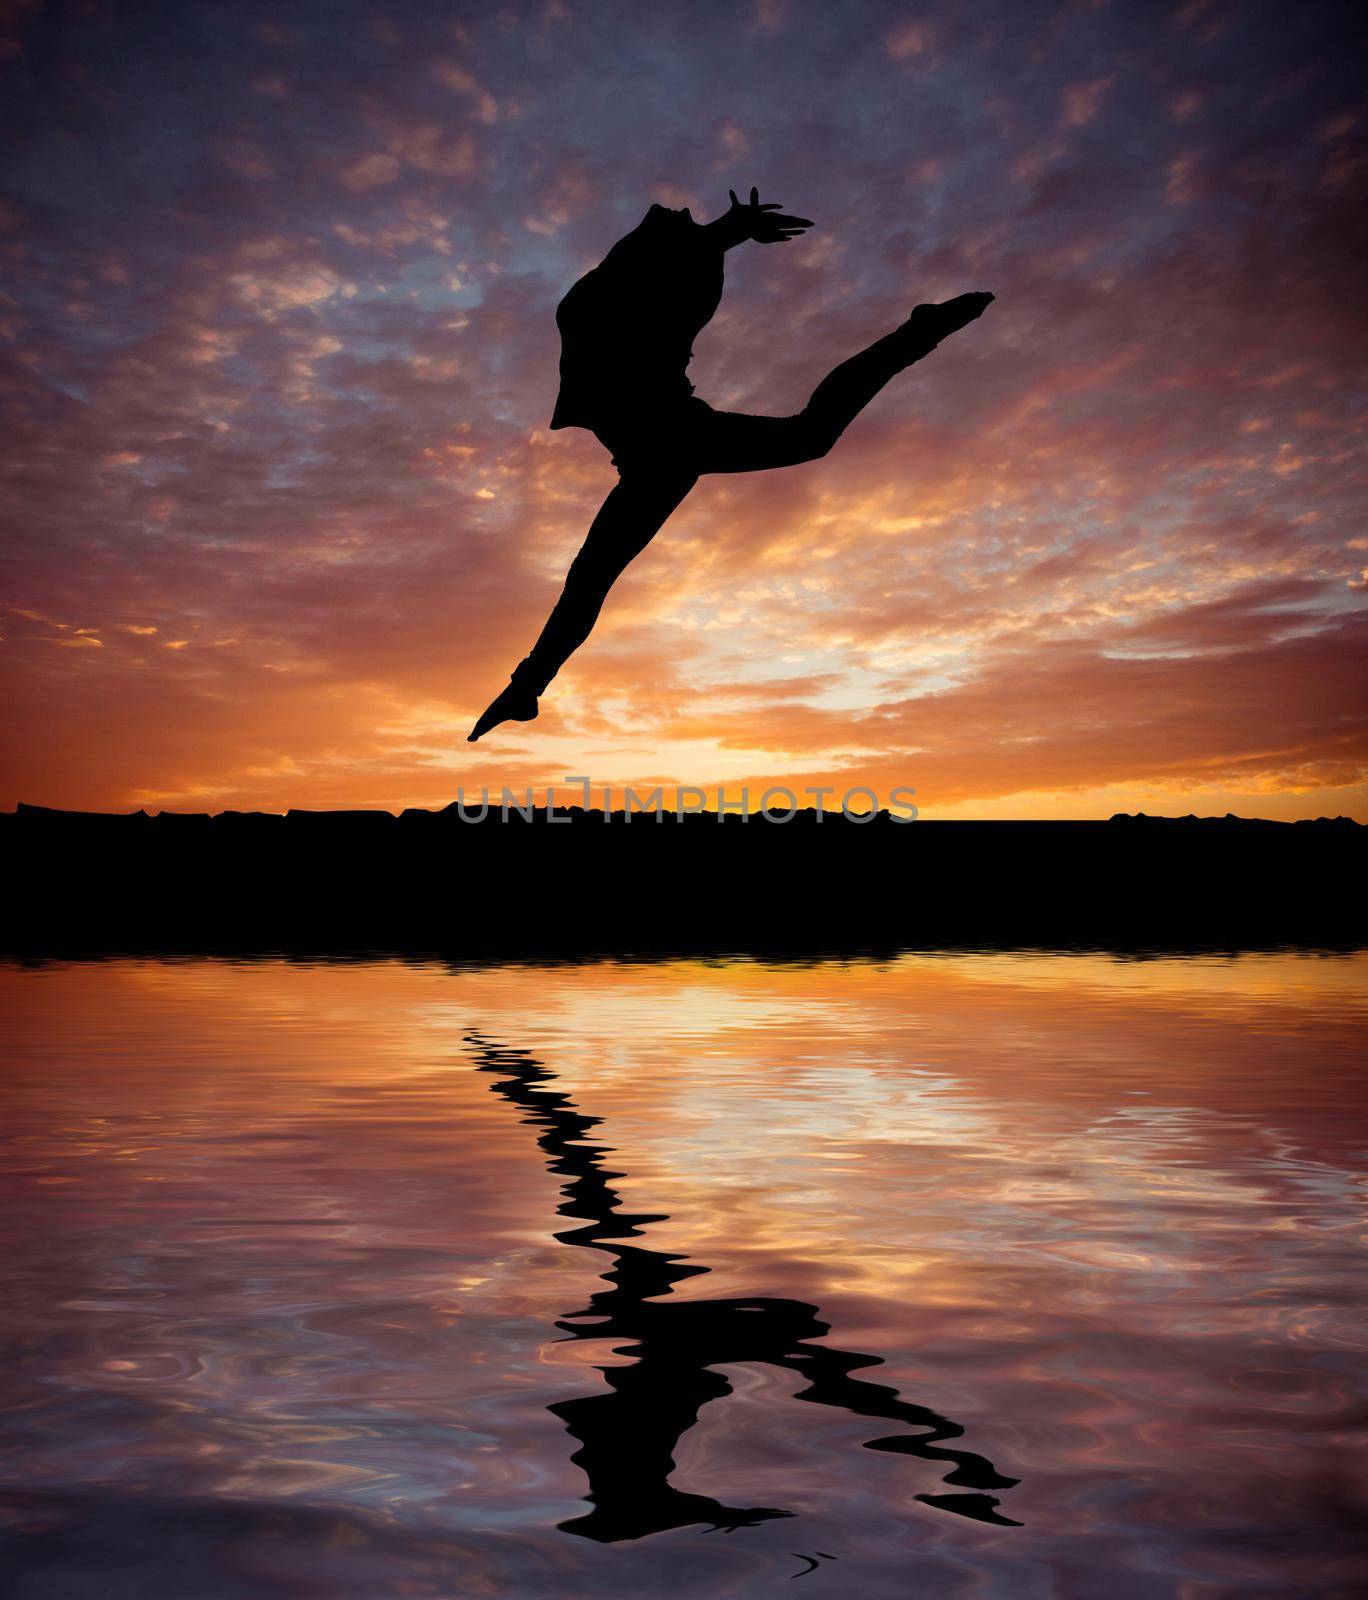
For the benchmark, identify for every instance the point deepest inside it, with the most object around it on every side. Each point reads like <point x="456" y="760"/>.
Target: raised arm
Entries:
<point x="765" y="224"/>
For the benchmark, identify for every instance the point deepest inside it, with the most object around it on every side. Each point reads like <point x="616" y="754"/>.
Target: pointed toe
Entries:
<point x="513" y="705"/>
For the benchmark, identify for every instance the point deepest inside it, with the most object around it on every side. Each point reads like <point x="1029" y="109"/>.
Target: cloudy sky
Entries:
<point x="278" y="351"/>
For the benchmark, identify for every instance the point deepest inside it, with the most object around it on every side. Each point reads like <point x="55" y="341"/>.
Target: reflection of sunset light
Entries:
<point x="728" y="1080"/>
<point x="1070" y="1200"/>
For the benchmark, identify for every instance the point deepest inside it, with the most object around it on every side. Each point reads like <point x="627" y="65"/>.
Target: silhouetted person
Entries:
<point x="627" y="330"/>
<point x="629" y="1433"/>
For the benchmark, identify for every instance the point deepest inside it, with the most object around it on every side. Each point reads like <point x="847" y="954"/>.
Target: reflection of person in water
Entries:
<point x="628" y="1435"/>
<point x="627" y="330"/>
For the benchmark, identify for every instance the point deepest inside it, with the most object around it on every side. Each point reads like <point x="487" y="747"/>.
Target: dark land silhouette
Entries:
<point x="627" y="329"/>
<point x="629" y="1431"/>
<point x="591" y="883"/>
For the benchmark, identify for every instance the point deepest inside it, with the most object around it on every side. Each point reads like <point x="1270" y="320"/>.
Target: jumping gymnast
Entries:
<point x="627" y="330"/>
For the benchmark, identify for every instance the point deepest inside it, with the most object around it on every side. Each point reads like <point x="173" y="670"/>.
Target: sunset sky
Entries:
<point x="278" y="352"/>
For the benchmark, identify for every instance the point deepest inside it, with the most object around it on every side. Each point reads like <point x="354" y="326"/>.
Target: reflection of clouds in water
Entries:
<point x="1203" y="981"/>
<point x="1099" y="1212"/>
<point x="778" y="1125"/>
<point x="605" y="1016"/>
<point x="845" y="1056"/>
<point x="684" y="1013"/>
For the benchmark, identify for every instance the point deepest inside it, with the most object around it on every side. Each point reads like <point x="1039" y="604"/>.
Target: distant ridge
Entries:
<point x="1300" y="822"/>
<point x="455" y="812"/>
<point x="572" y="882"/>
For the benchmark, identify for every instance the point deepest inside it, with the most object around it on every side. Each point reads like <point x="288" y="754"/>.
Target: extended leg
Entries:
<point x="631" y="516"/>
<point x="830" y="1383"/>
<point x="734" y="442"/>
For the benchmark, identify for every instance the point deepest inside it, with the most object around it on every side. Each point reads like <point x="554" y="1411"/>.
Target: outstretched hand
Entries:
<point x="751" y="220"/>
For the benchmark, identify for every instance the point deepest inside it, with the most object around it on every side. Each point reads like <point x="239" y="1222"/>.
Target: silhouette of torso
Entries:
<point x="627" y="326"/>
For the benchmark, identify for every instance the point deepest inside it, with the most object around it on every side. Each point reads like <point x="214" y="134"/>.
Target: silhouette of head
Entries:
<point x="663" y="216"/>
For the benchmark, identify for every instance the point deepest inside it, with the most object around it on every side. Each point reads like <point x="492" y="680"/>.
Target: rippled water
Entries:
<point x="1015" y="1276"/>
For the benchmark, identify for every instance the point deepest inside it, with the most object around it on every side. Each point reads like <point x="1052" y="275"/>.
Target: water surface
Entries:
<point x="961" y="1275"/>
